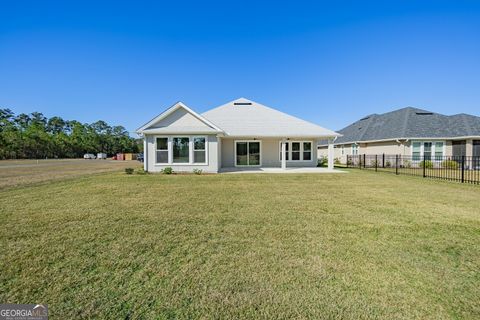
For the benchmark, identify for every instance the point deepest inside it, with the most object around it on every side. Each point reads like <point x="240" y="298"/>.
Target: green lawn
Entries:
<point x="357" y="245"/>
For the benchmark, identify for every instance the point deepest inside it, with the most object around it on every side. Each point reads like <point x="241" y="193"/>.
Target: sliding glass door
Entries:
<point x="247" y="153"/>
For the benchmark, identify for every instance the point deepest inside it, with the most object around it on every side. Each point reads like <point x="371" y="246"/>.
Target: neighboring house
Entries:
<point x="409" y="132"/>
<point x="241" y="133"/>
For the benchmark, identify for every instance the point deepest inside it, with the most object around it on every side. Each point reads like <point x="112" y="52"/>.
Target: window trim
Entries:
<point x="432" y="151"/>
<point x="235" y="153"/>
<point x="156" y="149"/>
<point x="289" y="155"/>
<point x="205" y="150"/>
<point x="190" y="150"/>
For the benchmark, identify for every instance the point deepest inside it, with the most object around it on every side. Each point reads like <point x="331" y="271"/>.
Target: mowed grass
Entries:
<point x="28" y="172"/>
<point x="341" y="246"/>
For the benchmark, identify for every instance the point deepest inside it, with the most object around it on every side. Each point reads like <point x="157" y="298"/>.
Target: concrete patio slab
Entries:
<point x="279" y="170"/>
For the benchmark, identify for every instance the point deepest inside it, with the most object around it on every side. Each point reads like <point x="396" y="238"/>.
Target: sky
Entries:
<point x="328" y="62"/>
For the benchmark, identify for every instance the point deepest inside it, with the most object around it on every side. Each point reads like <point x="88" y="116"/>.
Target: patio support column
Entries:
<point x="284" y="154"/>
<point x="330" y="154"/>
<point x="145" y="153"/>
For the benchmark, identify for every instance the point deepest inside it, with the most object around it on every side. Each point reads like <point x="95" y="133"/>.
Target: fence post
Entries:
<point x="396" y="164"/>
<point x="463" y="169"/>
<point x="424" y="165"/>
<point x="364" y="161"/>
<point x="376" y="163"/>
<point x="383" y="160"/>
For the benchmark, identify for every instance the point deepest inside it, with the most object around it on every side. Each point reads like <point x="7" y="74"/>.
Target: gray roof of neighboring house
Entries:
<point x="407" y="123"/>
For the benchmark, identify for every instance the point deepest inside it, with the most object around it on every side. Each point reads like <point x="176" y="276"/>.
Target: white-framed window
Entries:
<point x="307" y="151"/>
<point x="430" y="150"/>
<point x="296" y="150"/>
<point x="181" y="150"/>
<point x="416" y="151"/>
<point x="354" y="149"/>
<point x="199" y="150"/>
<point x="439" y="150"/>
<point x="161" y="149"/>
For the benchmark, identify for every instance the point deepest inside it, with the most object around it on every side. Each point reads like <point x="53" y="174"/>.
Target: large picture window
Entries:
<point x="181" y="150"/>
<point x="162" y="150"/>
<point x="199" y="151"/>
<point x="297" y="150"/>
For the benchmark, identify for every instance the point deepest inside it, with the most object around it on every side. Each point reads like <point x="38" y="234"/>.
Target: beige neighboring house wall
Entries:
<point x="389" y="147"/>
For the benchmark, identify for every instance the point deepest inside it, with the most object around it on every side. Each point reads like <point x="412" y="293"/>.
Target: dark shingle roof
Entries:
<point x="410" y="123"/>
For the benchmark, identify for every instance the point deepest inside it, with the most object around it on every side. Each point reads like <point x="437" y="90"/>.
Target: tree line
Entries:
<point x="34" y="136"/>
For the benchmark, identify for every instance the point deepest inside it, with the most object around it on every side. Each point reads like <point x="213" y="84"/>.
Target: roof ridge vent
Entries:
<point x="242" y="103"/>
<point x="424" y="113"/>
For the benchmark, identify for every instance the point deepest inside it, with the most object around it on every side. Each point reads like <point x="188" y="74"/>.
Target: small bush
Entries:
<point x="129" y="170"/>
<point x="197" y="171"/>
<point x="336" y="161"/>
<point x="322" y="162"/>
<point x="388" y="164"/>
<point x="450" y="164"/>
<point x="407" y="164"/>
<point x="167" y="170"/>
<point x="374" y="163"/>
<point x="427" y="164"/>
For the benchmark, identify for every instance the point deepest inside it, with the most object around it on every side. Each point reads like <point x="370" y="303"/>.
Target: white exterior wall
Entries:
<point x="212" y="156"/>
<point x="270" y="152"/>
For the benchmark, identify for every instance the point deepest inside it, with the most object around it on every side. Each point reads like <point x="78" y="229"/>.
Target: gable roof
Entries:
<point x="410" y="123"/>
<point x="246" y="118"/>
<point x="208" y="126"/>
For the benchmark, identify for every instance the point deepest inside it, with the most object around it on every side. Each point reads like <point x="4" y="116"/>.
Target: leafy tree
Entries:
<point x="35" y="136"/>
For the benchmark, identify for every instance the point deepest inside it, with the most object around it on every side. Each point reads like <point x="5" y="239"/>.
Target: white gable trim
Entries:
<point x="172" y="109"/>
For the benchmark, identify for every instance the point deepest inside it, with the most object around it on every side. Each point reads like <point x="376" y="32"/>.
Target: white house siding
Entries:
<point x="270" y="152"/>
<point x="212" y="155"/>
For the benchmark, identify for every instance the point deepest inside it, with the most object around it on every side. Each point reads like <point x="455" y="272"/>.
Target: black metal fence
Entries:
<point x="463" y="169"/>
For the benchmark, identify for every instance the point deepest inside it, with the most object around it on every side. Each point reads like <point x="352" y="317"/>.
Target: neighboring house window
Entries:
<point x="343" y="150"/>
<point x="162" y="150"/>
<point x="297" y="150"/>
<point x="181" y="149"/>
<point x="416" y="151"/>
<point x="438" y="151"/>
<point x="199" y="151"/>
<point x="307" y="151"/>
<point x="354" y="149"/>
<point x="427" y="150"/>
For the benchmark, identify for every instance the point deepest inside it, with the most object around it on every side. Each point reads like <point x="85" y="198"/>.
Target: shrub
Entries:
<point x="336" y="161"/>
<point x="197" y="171"/>
<point x="167" y="170"/>
<point x="322" y="162"/>
<point x="450" y="164"/>
<point x="407" y="164"/>
<point x="374" y="163"/>
<point x="427" y="164"/>
<point x="129" y="170"/>
<point x="388" y="164"/>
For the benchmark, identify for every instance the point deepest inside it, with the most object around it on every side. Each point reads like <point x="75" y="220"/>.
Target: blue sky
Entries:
<point x="328" y="62"/>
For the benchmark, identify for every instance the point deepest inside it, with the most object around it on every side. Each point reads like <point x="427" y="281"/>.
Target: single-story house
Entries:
<point x="409" y="132"/>
<point x="241" y="133"/>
